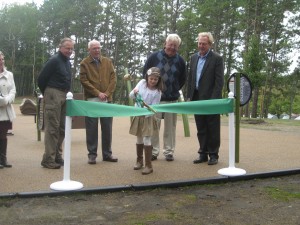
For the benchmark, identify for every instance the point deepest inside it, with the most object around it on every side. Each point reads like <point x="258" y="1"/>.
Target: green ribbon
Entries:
<point x="100" y="109"/>
<point x="203" y="107"/>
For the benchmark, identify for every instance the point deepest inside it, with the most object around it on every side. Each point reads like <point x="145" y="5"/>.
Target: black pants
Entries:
<point x="208" y="132"/>
<point x="91" y="125"/>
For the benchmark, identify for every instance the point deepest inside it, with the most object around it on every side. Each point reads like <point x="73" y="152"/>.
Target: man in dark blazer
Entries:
<point x="205" y="81"/>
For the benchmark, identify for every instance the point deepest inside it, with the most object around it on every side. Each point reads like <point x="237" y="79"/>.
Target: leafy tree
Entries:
<point x="253" y="36"/>
<point x="253" y="65"/>
<point x="20" y="43"/>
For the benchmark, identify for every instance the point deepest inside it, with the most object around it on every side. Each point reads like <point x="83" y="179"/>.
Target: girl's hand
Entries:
<point x="136" y="90"/>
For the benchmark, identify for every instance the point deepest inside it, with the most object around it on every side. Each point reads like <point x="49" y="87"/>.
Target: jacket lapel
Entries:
<point x="206" y="64"/>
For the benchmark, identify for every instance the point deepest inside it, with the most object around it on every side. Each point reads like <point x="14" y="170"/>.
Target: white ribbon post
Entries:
<point x="231" y="170"/>
<point x="66" y="184"/>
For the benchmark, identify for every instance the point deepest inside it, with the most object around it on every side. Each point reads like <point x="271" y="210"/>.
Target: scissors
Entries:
<point x="140" y="102"/>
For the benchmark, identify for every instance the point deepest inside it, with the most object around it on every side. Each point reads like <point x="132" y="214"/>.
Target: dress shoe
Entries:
<point x="111" y="159"/>
<point x="92" y="159"/>
<point x="212" y="161"/>
<point x="51" y="165"/>
<point x="169" y="158"/>
<point x="5" y="164"/>
<point x="201" y="159"/>
<point x="154" y="157"/>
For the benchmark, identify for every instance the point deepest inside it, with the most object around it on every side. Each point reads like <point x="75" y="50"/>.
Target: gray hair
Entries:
<point x="208" y="35"/>
<point x="174" y="37"/>
<point x="1" y="53"/>
<point x="93" y="42"/>
<point x="64" y="40"/>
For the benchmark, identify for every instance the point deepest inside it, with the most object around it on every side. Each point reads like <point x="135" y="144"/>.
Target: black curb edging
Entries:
<point x="147" y="186"/>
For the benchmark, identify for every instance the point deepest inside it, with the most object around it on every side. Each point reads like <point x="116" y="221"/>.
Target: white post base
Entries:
<point x="231" y="171"/>
<point x="66" y="185"/>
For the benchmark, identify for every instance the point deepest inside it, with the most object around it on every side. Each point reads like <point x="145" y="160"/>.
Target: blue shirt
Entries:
<point x="201" y="62"/>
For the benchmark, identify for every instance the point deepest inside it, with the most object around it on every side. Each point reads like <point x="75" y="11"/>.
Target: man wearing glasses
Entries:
<point x="98" y="78"/>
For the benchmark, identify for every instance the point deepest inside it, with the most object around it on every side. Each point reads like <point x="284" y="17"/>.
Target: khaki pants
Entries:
<point x="54" y="119"/>
<point x="169" y="135"/>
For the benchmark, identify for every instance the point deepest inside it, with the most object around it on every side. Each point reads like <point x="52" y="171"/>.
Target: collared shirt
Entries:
<point x="201" y="62"/>
<point x="96" y="61"/>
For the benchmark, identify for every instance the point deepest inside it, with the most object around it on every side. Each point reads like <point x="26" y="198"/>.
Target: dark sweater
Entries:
<point x="56" y="73"/>
<point x="173" y="73"/>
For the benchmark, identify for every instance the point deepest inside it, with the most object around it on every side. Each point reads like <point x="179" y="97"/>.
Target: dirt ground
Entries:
<point x="261" y="201"/>
<point x="254" y="202"/>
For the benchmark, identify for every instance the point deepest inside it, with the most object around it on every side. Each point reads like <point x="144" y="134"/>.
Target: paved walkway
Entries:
<point x="261" y="151"/>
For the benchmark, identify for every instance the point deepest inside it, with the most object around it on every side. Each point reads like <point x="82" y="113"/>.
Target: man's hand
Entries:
<point x="102" y="97"/>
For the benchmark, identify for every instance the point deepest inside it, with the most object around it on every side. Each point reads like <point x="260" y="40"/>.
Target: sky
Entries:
<point x="4" y="2"/>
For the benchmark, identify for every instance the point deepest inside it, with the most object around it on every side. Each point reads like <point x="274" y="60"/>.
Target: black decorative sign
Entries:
<point x="245" y="87"/>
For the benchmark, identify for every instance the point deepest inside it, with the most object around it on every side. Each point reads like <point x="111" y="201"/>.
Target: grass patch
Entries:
<point x="282" y="195"/>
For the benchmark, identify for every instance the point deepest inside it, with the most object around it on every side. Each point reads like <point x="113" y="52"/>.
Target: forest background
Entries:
<point x="255" y="37"/>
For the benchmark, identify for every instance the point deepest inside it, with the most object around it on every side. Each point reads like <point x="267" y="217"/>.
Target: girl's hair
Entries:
<point x="154" y="71"/>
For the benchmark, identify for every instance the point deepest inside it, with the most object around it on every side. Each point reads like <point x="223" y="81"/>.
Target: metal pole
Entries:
<point x="237" y="116"/>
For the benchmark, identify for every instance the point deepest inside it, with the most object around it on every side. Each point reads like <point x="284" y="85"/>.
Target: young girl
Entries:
<point x="149" y="90"/>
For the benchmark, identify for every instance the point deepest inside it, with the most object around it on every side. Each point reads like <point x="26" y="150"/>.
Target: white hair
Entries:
<point x="208" y="35"/>
<point x="174" y="37"/>
<point x="93" y="42"/>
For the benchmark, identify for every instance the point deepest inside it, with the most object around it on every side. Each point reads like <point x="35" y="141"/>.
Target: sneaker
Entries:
<point x="169" y="158"/>
<point x="50" y="165"/>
